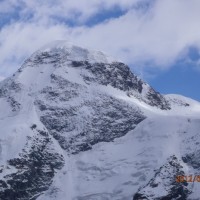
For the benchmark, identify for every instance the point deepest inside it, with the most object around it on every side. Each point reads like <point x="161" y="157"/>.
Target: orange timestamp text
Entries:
<point x="190" y="178"/>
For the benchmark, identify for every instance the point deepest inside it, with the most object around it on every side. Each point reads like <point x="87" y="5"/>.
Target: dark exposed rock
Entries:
<point x="14" y="104"/>
<point x="8" y="91"/>
<point x="193" y="159"/>
<point x="165" y="180"/>
<point x="120" y="76"/>
<point x="35" y="168"/>
<point x="46" y="58"/>
<point x="103" y="125"/>
<point x="178" y="102"/>
<point x="156" y="98"/>
<point x="116" y="74"/>
<point x="33" y="126"/>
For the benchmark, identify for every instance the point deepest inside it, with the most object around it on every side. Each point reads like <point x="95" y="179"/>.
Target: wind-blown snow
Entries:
<point x="77" y="53"/>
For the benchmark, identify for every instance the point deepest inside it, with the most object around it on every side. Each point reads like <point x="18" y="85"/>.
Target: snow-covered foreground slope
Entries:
<point x="78" y="125"/>
<point x="119" y="169"/>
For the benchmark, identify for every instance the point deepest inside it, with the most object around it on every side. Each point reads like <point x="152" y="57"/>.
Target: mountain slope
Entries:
<point x="76" y="124"/>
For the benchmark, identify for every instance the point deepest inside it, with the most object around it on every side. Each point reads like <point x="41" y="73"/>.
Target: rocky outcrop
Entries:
<point x="27" y="176"/>
<point x="163" y="186"/>
<point x="101" y="118"/>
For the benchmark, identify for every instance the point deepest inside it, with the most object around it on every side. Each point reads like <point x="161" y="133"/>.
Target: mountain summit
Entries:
<point x="77" y="124"/>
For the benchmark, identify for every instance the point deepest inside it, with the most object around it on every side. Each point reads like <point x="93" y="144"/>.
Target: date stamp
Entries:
<point x="189" y="179"/>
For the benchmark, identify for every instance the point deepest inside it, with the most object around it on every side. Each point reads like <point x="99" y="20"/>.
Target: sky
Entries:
<point x="158" y="39"/>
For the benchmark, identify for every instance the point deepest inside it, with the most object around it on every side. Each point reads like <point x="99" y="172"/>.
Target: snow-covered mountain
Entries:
<point x="79" y="125"/>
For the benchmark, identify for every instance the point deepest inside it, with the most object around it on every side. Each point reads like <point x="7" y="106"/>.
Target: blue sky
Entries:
<point x="159" y="40"/>
<point x="183" y="76"/>
<point x="178" y="81"/>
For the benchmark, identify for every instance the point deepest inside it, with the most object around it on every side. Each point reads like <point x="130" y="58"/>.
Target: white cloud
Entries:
<point x="78" y="10"/>
<point x="158" y="36"/>
<point x="18" y="41"/>
<point x="2" y="78"/>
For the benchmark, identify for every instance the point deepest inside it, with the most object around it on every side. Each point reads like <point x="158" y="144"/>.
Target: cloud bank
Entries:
<point x="145" y="33"/>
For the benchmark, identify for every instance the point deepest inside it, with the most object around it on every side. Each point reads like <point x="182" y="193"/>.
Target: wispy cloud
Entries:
<point x="77" y="10"/>
<point x="151" y="33"/>
<point x="2" y="78"/>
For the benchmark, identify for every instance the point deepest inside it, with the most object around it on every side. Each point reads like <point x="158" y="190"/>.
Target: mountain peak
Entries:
<point x="74" y="52"/>
<point x="71" y="120"/>
<point x="85" y="67"/>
